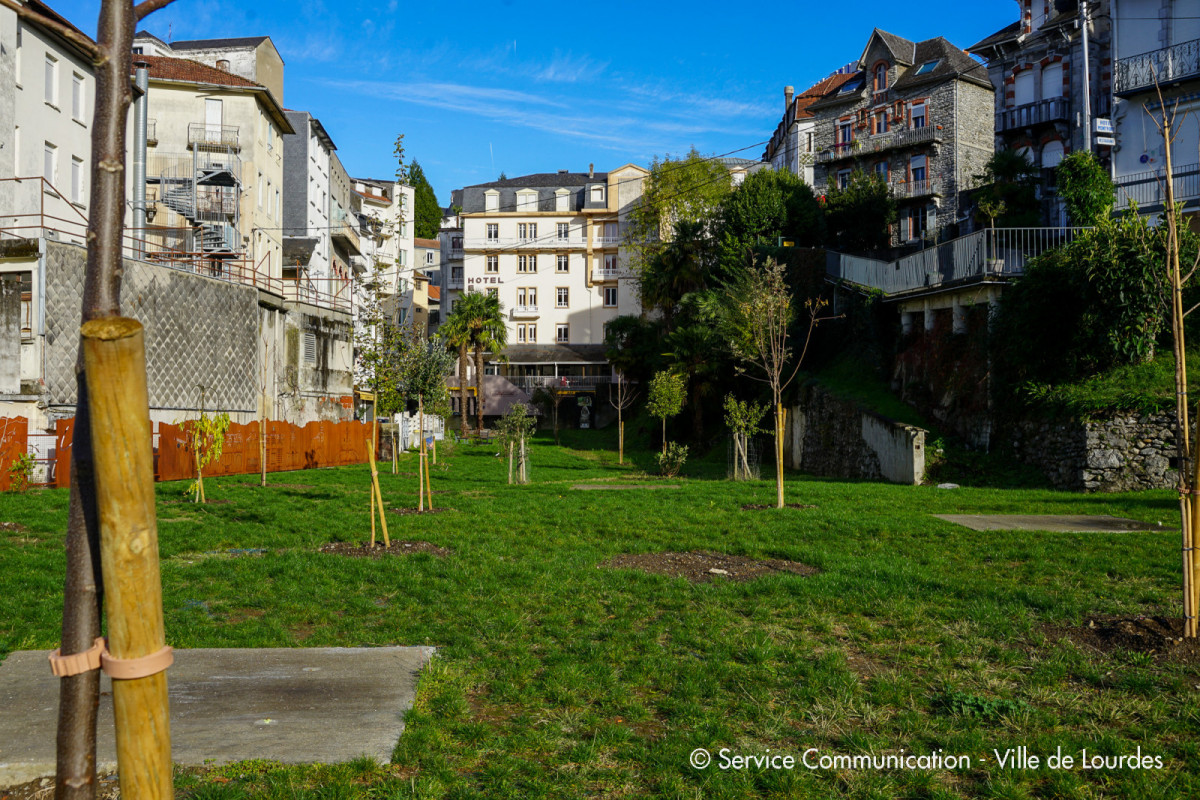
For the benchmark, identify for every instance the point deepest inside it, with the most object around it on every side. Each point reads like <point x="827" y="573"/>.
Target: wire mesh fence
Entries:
<point x="743" y="456"/>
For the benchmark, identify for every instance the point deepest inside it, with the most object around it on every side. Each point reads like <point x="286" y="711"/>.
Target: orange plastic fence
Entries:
<point x="289" y="447"/>
<point x="14" y="441"/>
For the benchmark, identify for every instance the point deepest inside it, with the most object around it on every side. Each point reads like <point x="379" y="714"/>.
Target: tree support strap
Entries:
<point x="98" y="657"/>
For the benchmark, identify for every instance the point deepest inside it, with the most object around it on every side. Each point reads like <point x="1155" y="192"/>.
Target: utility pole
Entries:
<point x="1087" y="80"/>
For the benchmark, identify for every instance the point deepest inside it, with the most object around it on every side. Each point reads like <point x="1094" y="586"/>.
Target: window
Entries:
<point x="845" y="132"/>
<point x="916" y="168"/>
<point x="597" y="194"/>
<point x="562" y="200"/>
<point x="562" y="297"/>
<point x="521" y="333"/>
<point x="429" y="257"/>
<point x="493" y="263"/>
<point x="527" y="201"/>
<point x="277" y="205"/>
<point x="564" y="231"/>
<point x="880" y="122"/>
<point x="562" y="263"/>
<point x="51" y="80"/>
<point x="881" y="170"/>
<point x="50" y="163"/>
<point x="843" y="178"/>
<point x="808" y="142"/>
<point x="918" y="115"/>
<point x="523" y="264"/>
<point x="76" y="180"/>
<point x="260" y="190"/>
<point x="562" y="333"/>
<point x="491" y="200"/>
<point x="881" y="71"/>
<point x="77" y="96"/>
<point x="493" y="292"/>
<point x="610" y="297"/>
<point x="526" y="231"/>
<point x="927" y="67"/>
<point x="1052" y="154"/>
<point x="916" y="223"/>
<point x="531" y="332"/>
<point x="493" y="231"/>
<point x="527" y="297"/>
<point x="1052" y="80"/>
<point x="137" y="51"/>
<point x="610" y="263"/>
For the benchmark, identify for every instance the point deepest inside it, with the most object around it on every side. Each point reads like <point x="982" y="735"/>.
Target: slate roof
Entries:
<point x="182" y="69"/>
<point x="952" y="63"/>
<point x="551" y="353"/>
<point x="552" y="180"/>
<point x="902" y="49"/>
<point x="1009" y="33"/>
<point x="212" y="44"/>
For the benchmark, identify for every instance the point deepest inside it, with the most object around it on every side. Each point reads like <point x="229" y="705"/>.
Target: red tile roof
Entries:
<point x="432" y="244"/>
<point x="819" y="90"/>
<point x="435" y="293"/>
<point x="181" y="69"/>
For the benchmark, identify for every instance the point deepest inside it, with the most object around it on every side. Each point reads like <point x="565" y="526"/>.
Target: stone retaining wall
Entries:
<point x="1118" y="454"/>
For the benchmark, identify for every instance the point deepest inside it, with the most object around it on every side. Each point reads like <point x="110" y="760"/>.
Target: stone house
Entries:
<point x="919" y="115"/>
<point x="792" y="145"/>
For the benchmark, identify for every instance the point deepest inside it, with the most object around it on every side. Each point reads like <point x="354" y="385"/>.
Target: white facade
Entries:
<point x="1155" y="39"/>
<point x="47" y="92"/>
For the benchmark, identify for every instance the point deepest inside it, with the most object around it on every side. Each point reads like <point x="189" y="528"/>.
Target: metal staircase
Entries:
<point x="204" y="188"/>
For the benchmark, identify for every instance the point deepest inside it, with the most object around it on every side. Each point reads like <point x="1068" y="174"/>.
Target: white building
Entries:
<point x="791" y="146"/>
<point x="386" y="228"/>
<point x="1155" y="40"/>
<point x="549" y="247"/>
<point x="47" y="91"/>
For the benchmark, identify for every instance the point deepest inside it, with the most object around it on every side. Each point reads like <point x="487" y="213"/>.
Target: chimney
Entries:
<point x="223" y="65"/>
<point x="788" y="91"/>
<point x="591" y="171"/>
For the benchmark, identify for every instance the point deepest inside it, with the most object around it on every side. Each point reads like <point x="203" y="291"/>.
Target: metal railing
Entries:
<point x="454" y="283"/>
<point x="207" y="134"/>
<point x="605" y="273"/>
<point x="1167" y="65"/>
<point x="524" y="311"/>
<point x="1149" y="189"/>
<point x="879" y="142"/>
<point x="1051" y="109"/>
<point x="530" y="383"/>
<point x="607" y="241"/>
<point x="550" y="242"/>
<point x="915" y="189"/>
<point x="332" y="293"/>
<point x="996" y="253"/>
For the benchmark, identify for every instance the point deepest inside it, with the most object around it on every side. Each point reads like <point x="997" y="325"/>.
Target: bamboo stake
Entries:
<point x="422" y="465"/>
<point x="372" y="516"/>
<point x="115" y="361"/>
<point x="387" y="542"/>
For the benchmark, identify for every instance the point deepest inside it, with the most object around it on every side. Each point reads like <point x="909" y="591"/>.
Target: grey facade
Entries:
<point x="547" y="185"/>
<point x="295" y="174"/>
<point x="918" y="114"/>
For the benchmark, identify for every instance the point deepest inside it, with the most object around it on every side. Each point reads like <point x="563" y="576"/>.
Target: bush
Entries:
<point x="20" y="473"/>
<point x="671" y="461"/>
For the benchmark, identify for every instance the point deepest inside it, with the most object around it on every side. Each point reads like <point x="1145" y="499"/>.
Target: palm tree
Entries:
<point x="454" y="333"/>
<point x="483" y="318"/>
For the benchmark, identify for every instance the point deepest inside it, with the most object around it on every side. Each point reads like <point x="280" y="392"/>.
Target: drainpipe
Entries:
<point x="142" y="81"/>
<point x="1087" y="81"/>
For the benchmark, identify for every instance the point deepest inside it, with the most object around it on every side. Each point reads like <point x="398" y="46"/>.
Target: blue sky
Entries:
<point x="524" y="87"/>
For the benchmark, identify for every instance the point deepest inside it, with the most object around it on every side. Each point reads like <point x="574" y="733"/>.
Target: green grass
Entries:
<point x="556" y="679"/>
<point x="1147" y="388"/>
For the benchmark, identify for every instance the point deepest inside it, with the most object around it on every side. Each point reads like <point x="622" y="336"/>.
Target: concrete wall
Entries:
<point x="10" y="336"/>
<point x="314" y="387"/>
<point x="829" y="436"/>
<point x="1118" y="454"/>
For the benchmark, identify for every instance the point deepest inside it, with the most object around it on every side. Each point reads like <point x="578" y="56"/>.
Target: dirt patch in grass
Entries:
<point x="760" y="507"/>
<point x="1161" y="637"/>
<point x="43" y="789"/>
<point x="703" y="566"/>
<point x="379" y="551"/>
<point x="12" y="527"/>
<point x="404" y="512"/>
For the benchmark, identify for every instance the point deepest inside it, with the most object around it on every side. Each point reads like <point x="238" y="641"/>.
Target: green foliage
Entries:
<point x="422" y="370"/>
<point x="631" y="346"/>
<point x="756" y="316"/>
<point x="671" y="460"/>
<point x="20" y="472"/>
<point x="858" y="217"/>
<point x="398" y="154"/>
<point x="666" y="396"/>
<point x="743" y="416"/>
<point x="1143" y="388"/>
<point x="1085" y="187"/>
<point x="678" y="267"/>
<point x="688" y="189"/>
<point x="1008" y="187"/>
<point x="478" y="320"/>
<point x="427" y="212"/>
<point x="208" y="442"/>
<point x="961" y="704"/>
<point x="1095" y="304"/>
<point x="768" y="205"/>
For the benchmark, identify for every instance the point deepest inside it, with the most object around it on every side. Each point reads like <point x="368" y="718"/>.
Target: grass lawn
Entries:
<point x="555" y="678"/>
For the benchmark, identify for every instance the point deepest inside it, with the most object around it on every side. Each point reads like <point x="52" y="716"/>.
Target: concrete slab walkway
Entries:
<point x="297" y="705"/>
<point x="1055" y="523"/>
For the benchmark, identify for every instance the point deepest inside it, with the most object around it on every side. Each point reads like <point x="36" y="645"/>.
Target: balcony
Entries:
<point x="203" y="134"/>
<point x="1168" y="66"/>
<point x="605" y="274"/>
<point x="455" y="283"/>
<point x="525" y="312"/>
<point x="880" y="142"/>
<point x="1052" y="109"/>
<point x="914" y="189"/>
<point x="151" y="132"/>
<point x="606" y="241"/>
<point x="1149" y="191"/>
<point x="346" y="236"/>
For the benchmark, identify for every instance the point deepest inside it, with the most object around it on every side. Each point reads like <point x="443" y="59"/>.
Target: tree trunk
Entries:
<point x="557" y="400"/>
<point x="697" y="411"/>
<point x="462" y="390"/>
<point x="524" y="475"/>
<point x="262" y="451"/>
<point x="620" y="438"/>
<point x="510" y="463"/>
<point x="479" y="390"/>
<point x="778" y="455"/>
<point x="664" y="436"/>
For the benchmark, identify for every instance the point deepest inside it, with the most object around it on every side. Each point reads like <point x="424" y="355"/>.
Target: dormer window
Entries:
<point x="562" y="200"/>
<point x="491" y="200"/>
<point x="597" y="194"/>
<point x="881" y="77"/>
<point x="927" y="67"/>
<point x="527" y="201"/>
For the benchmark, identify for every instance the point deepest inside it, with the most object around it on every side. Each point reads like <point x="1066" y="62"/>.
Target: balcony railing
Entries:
<point x="203" y="134"/>
<point x="879" y="142"/>
<point x="455" y="283"/>
<point x="605" y="274"/>
<point x="346" y="235"/>
<point x="904" y="191"/>
<point x="1148" y="189"/>
<point x="530" y="383"/>
<point x="1166" y="66"/>
<point x="524" y="312"/>
<point x="550" y="242"/>
<point x="1052" y="109"/>
<point x="998" y="253"/>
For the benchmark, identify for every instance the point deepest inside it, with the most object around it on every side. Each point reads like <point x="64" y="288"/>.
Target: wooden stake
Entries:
<point x="115" y="361"/>
<point x="372" y="516"/>
<point x="387" y="542"/>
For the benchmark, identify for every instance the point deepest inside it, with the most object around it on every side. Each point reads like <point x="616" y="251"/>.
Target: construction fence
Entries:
<point x="288" y="447"/>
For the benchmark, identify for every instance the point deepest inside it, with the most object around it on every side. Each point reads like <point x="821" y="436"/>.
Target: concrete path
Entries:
<point x="1055" y="523"/>
<point x="298" y="705"/>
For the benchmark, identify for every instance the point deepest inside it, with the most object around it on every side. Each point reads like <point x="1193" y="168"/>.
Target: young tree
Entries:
<point x="624" y="400"/>
<point x="742" y="417"/>
<point x="1009" y="182"/>
<point x="665" y="400"/>
<point x="427" y="213"/>
<point x="515" y="428"/>
<point x="421" y="370"/>
<point x="75" y="778"/>
<point x="757" y="322"/>
<point x="1085" y="187"/>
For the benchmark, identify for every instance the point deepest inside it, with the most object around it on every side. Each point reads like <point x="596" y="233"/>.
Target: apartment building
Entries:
<point x="1156" y="42"/>
<point x="917" y="114"/>
<point x="47" y="92"/>
<point x="1050" y="88"/>
<point x="427" y="260"/>
<point x="549" y="246"/>
<point x="792" y="145"/>
<point x="450" y="238"/>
